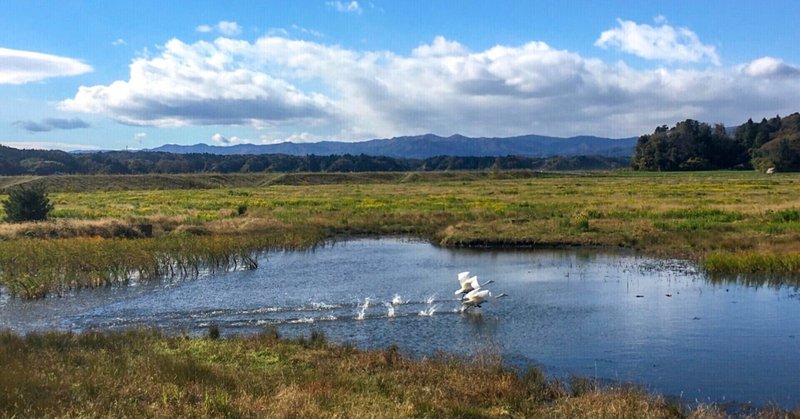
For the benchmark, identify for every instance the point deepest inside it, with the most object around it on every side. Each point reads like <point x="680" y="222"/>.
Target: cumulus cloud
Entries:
<point x="50" y="124"/>
<point x="770" y="67"/>
<point x="19" y="67"/>
<point x="302" y="137"/>
<point x="345" y="7"/>
<point x="200" y="84"/>
<point x="224" y="27"/>
<point x="284" y="85"/>
<point x="662" y="42"/>
<point x="223" y="140"/>
<point x="229" y="28"/>
<point x="119" y="41"/>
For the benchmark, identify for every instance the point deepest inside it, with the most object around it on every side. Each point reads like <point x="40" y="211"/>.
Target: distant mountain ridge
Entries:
<point x="430" y="145"/>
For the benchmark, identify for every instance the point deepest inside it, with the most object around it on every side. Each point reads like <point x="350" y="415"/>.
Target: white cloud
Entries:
<point x="219" y="139"/>
<point x="223" y="140"/>
<point x="277" y="32"/>
<point x="229" y="28"/>
<point x="307" y="31"/>
<point x="282" y="86"/>
<point x="345" y="7"/>
<point x="441" y="47"/>
<point x="302" y="137"/>
<point x="663" y="42"/>
<point x="224" y="27"/>
<point x="139" y="136"/>
<point x="770" y="67"/>
<point x="119" y="41"/>
<point x="199" y="84"/>
<point x="19" y="67"/>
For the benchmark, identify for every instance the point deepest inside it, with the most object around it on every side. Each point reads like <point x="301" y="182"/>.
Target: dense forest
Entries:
<point x="692" y="145"/>
<point x="39" y="162"/>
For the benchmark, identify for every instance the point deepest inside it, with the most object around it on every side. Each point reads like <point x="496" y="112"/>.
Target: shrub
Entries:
<point x="27" y="204"/>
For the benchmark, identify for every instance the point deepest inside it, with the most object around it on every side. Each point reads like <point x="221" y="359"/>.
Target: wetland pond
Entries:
<point x="616" y="317"/>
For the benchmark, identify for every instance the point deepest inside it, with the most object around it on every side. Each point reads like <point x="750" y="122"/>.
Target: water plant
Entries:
<point x="38" y="267"/>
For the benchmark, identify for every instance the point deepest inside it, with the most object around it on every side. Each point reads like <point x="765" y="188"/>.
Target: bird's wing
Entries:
<point x="476" y="295"/>
<point x="473" y="283"/>
<point x="463" y="277"/>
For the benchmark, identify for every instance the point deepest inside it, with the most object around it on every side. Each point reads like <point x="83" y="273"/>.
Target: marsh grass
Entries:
<point x="732" y="222"/>
<point x="754" y="268"/>
<point x="38" y="267"/>
<point x="68" y="375"/>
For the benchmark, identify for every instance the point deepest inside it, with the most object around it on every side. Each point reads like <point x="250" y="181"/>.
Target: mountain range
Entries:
<point x="430" y="145"/>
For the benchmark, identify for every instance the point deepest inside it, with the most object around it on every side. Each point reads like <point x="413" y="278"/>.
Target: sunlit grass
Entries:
<point x="730" y="215"/>
<point x="145" y="374"/>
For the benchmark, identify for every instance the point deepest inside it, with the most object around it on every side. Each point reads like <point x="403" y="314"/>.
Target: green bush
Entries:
<point x="27" y="204"/>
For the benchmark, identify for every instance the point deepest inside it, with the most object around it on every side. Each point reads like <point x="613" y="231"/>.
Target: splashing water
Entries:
<point x="429" y="311"/>
<point x="397" y="300"/>
<point x="389" y="310"/>
<point x="430" y="299"/>
<point x="363" y="310"/>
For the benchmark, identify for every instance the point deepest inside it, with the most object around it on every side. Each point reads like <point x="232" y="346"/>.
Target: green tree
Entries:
<point x="27" y="204"/>
<point x="689" y="145"/>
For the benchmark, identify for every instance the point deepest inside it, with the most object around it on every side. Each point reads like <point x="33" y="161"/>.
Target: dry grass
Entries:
<point x="68" y="375"/>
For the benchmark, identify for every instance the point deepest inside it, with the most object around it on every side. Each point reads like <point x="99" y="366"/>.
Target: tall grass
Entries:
<point x="754" y="268"/>
<point x="39" y="267"/>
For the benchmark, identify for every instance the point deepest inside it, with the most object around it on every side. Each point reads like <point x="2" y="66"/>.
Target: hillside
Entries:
<point x="430" y="145"/>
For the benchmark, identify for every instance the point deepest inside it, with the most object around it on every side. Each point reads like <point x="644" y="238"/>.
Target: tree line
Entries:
<point x="691" y="145"/>
<point x="40" y="162"/>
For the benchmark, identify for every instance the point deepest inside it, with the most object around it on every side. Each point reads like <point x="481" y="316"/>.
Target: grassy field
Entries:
<point x="736" y="224"/>
<point x="144" y="374"/>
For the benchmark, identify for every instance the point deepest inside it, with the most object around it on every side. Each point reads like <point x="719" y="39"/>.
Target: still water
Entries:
<point x="610" y="316"/>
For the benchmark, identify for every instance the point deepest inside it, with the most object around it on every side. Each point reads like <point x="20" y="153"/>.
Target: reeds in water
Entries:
<point x="35" y="268"/>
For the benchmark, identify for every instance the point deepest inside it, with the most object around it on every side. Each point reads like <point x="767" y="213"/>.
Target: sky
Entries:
<point x="84" y="75"/>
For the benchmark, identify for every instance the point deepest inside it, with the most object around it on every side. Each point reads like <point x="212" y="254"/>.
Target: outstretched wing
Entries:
<point x="462" y="278"/>
<point x="477" y="296"/>
<point x="473" y="283"/>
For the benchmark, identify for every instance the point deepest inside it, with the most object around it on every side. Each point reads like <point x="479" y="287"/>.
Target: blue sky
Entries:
<point x="110" y="75"/>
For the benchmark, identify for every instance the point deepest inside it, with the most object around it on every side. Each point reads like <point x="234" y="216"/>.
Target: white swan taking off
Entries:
<point x="477" y="297"/>
<point x="469" y="283"/>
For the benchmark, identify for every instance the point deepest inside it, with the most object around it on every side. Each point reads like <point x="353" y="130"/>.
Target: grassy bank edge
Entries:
<point x="65" y="374"/>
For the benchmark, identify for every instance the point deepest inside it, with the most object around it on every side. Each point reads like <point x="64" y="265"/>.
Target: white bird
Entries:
<point x="469" y="283"/>
<point x="477" y="297"/>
